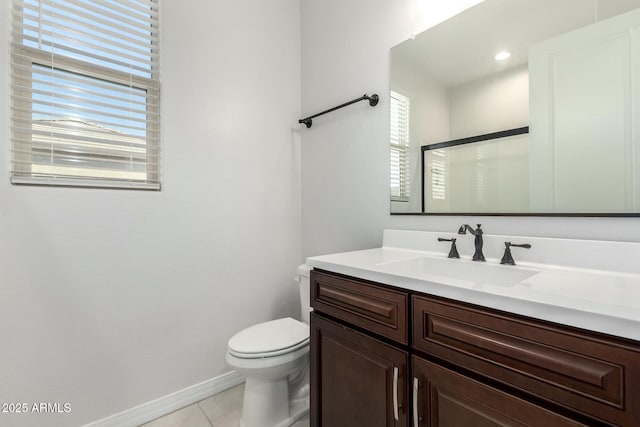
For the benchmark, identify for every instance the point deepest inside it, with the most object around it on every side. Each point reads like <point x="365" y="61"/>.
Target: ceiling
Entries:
<point x="462" y="48"/>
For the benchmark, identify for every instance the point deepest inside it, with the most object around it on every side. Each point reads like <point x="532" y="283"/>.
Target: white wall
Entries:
<point x="490" y="104"/>
<point x="346" y="156"/>
<point x="109" y="299"/>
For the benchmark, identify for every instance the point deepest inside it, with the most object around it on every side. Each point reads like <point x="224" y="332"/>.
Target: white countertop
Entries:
<point x="593" y="299"/>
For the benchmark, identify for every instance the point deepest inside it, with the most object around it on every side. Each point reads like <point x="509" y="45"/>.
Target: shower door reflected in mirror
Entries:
<point x="485" y="173"/>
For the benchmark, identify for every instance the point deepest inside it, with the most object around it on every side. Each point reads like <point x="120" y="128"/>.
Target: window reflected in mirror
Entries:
<point x="399" y="146"/>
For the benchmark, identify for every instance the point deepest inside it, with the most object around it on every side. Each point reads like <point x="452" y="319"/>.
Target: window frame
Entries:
<point x="24" y="59"/>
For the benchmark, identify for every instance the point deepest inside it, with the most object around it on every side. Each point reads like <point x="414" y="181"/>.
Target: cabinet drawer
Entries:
<point x="374" y="308"/>
<point x="595" y="376"/>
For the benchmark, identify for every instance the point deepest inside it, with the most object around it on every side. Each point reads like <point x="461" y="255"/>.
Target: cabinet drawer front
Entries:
<point x="377" y="309"/>
<point x="592" y="375"/>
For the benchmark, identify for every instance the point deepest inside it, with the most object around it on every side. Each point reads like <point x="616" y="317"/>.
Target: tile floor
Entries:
<point x="221" y="410"/>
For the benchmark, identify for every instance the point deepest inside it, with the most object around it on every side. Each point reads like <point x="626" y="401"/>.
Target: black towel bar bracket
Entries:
<point x="373" y="101"/>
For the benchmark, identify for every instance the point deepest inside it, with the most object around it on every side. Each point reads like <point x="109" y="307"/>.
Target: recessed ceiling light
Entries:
<point x="502" y="56"/>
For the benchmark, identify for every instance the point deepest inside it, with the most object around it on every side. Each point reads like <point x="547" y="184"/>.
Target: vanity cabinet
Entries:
<point x="384" y="356"/>
<point x="358" y="378"/>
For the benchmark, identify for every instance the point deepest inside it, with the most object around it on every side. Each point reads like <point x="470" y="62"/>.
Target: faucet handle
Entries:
<point x="507" y="258"/>
<point x="453" y="252"/>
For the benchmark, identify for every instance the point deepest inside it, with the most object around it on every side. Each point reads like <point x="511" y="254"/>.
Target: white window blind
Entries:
<point x="85" y="93"/>
<point x="400" y="144"/>
<point x="438" y="175"/>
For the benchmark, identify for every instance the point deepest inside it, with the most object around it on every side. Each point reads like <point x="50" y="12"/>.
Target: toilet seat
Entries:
<point x="269" y="339"/>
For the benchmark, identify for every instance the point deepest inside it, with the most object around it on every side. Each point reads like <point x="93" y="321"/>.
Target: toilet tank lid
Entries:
<point x="269" y="336"/>
<point x="304" y="270"/>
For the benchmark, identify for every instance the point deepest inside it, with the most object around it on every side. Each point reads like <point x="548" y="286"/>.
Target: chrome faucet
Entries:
<point x="477" y="256"/>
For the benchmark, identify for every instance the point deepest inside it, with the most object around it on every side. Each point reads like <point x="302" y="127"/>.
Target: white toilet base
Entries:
<point x="298" y="410"/>
<point x="290" y="420"/>
<point x="266" y="403"/>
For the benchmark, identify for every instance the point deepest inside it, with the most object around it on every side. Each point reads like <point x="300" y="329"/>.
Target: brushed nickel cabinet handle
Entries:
<point x="395" y="393"/>
<point x="416" y="384"/>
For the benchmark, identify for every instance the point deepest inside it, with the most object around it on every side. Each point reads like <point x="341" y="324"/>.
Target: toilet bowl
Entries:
<point x="274" y="358"/>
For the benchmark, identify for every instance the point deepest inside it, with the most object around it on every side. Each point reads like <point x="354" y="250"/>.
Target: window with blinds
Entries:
<point x="399" y="131"/>
<point x="85" y="93"/>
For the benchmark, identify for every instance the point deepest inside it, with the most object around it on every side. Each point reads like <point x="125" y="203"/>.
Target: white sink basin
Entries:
<point x="456" y="270"/>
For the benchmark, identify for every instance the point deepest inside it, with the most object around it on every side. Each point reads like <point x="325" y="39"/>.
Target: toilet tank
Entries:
<point x="305" y="289"/>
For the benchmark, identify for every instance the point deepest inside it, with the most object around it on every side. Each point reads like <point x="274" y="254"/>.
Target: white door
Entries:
<point x="584" y="119"/>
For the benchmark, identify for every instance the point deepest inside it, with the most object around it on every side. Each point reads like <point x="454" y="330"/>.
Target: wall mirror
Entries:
<point x="571" y="80"/>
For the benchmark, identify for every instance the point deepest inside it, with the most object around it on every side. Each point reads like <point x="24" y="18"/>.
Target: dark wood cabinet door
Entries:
<point x="444" y="398"/>
<point x="356" y="380"/>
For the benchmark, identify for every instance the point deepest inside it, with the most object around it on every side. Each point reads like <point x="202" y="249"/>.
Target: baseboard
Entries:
<point x="164" y="405"/>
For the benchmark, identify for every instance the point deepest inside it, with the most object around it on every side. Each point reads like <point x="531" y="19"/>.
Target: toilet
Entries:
<point x="274" y="358"/>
